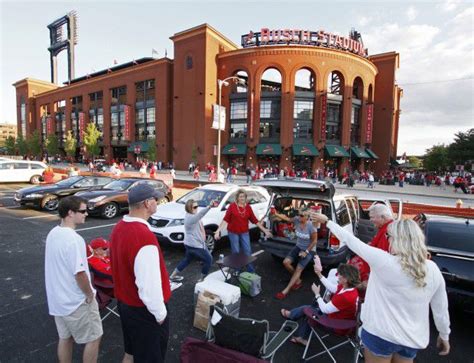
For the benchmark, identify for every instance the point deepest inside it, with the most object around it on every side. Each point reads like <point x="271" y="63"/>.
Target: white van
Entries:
<point x="21" y="171"/>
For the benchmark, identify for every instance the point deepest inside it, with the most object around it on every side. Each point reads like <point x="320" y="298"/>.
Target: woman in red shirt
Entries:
<point x="343" y="304"/>
<point x="236" y="220"/>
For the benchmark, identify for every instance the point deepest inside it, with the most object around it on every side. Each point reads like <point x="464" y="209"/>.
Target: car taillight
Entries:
<point x="334" y="242"/>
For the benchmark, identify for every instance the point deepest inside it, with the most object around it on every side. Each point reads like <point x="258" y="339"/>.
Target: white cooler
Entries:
<point x="217" y="275"/>
<point x="229" y="294"/>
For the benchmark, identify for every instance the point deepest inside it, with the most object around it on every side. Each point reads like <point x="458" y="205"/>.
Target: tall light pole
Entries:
<point x="220" y="83"/>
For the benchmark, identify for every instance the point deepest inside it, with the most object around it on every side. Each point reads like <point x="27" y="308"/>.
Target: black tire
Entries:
<point x="50" y="203"/>
<point x="210" y="240"/>
<point x="110" y="210"/>
<point x="35" y="179"/>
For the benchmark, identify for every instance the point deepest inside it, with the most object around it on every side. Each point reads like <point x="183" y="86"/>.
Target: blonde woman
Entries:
<point x="403" y="285"/>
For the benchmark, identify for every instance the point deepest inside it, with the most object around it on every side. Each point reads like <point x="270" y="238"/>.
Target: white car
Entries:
<point x="168" y="221"/>
<point x="21" y="171"/>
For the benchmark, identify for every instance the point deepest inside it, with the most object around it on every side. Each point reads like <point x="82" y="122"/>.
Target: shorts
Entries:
<point x="83" y="325"/>
<point x="293" y="255"/>
<point x="383" y="348"/>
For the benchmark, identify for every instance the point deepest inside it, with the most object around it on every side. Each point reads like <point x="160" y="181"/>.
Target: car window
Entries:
<point x="156" y="184"/>
<point x="21" y="166"/>
<point x="342" y="214"/>
<point x="351" y="209"/>
<point x="252" y="197"/>
<point x="202" y="196"/>
<point x="118" y="185"/>
<point x="363" y="213"/>
<point x="36" y="166"/>
<point x="5" y="166"/>
<point x="101" y="181"/>
<point x="231" y="198"/>
<point x="84" y="183"/>
<point x="261" y="198"/>
<point x="69" y="181"/>
<point x="452" y="236"/>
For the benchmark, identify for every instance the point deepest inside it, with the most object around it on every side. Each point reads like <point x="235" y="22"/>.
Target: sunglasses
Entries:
<point x="82" y="211"/>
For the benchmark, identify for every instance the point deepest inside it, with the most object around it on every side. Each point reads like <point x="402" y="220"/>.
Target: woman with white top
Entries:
<point x="403" y="284"/>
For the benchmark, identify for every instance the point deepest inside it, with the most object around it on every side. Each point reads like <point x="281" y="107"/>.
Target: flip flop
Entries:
<point x="285" y="313"/>
<point x="297" y="286"/>
<point x="280" y="296"/>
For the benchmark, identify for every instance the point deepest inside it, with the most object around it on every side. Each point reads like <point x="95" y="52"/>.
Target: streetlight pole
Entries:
<point x="221" y="83"/>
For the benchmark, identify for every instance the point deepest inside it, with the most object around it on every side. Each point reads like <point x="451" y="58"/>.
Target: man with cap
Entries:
<point x="99" y="259"/>
<point x="142" y="287"/>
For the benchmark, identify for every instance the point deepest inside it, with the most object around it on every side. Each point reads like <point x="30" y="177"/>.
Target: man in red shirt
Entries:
<point x="142" y="287"/>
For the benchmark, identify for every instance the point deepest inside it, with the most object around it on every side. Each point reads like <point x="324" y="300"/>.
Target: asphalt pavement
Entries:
<point x="28" y="333"/>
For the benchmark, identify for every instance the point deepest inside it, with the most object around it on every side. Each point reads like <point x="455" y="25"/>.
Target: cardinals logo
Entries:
<point x="305" y="150"/>
<point x="233" y="149"/>
<point x="267" y="149"/>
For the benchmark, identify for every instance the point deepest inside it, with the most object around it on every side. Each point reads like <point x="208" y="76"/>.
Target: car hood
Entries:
<point x="91" y="194"/>
<point x="39" y="189"/>
<point x="300" y="187"/>
<point x="170" y="210"/>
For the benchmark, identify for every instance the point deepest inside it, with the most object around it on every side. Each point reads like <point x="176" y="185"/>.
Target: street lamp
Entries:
<point x="220" y="83"/>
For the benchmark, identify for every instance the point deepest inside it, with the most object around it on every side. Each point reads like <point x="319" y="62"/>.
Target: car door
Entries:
<point x="255" y="202"/>
<point x="7" y="172"/>
<point x="21" y="172"/>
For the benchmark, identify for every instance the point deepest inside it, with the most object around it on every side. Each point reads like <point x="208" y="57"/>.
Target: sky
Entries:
<point x="435" y="41"/>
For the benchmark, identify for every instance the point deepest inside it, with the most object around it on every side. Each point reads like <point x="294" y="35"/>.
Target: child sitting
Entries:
<point x="99" y="260"/>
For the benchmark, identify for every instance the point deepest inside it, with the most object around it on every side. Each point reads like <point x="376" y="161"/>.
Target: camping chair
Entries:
<point x="249" y="336"/>
<point x="345" y="329"/>
<point x="104" y="287"/>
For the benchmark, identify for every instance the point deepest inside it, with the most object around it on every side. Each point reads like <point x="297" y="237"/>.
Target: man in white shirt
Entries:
<point x="71" y="297"/>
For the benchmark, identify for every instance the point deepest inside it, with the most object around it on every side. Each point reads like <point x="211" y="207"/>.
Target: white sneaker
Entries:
<point x="176" y="278"/>
<point x="175" y="285"/>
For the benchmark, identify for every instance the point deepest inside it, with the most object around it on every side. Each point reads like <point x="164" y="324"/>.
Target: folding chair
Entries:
<point x="249" y="336"/>
<point x="345" y="329"/>
<point x="104" y="286"/>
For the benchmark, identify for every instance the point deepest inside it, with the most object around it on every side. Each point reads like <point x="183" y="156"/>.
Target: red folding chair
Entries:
<point x="104" y="286"/>
<point x="347" y="330"/>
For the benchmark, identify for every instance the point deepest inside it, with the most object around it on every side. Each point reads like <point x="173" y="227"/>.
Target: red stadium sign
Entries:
<point x="82" y="125"/>
<point x="324" y="99"/>
<point x="49" y="125"/>
<point x="126" y="133"/>
<point x="370" y="118"/>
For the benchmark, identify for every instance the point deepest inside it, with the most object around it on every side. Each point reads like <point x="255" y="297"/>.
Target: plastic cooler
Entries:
<point x="229" y="294"/>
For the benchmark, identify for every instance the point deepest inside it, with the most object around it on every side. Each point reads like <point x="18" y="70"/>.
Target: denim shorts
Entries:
<point x="293" y="255"/>
<point x="383" y="348"/>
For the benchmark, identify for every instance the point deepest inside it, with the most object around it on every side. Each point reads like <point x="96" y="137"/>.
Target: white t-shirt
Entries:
<point x="65" y="257"/>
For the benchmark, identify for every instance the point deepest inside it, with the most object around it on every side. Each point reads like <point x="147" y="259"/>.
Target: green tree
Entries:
<point x="21" y="145"/>
<point x="151" y="153"/>
<point x="461" y="151"/>
<point x="10" y="145"/>
<point x="416" y="162"/>
<point x="436" y="158"/>
<point x="70" y="144"/>
<point x="52" y="145"/>
<point x="91" y="139"/>
<point x="34" y="143"/>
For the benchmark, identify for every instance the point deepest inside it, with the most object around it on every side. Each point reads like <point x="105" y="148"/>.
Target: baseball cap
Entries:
<point x="99" y="243"/>
<point x="141" y="192"/>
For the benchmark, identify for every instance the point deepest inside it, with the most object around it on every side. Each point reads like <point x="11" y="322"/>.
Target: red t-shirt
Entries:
<point x="380" y="241"/>
<point x="238" y="218"/>
<point x="346" y="302"/>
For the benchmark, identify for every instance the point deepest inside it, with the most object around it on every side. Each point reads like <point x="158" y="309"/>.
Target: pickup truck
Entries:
<point x="350" y="212"/>
<point x="450" y="241"/>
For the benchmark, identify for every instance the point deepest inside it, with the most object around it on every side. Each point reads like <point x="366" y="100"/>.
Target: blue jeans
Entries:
<point x="383" y="348"/>
<point x="298" y="314"/>
<point x="238" y="241"/>
<point x="196" y="253"/>
<point x="249" y="179"/>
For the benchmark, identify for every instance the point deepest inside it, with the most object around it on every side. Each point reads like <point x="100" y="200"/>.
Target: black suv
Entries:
<point x="450" y="241"/>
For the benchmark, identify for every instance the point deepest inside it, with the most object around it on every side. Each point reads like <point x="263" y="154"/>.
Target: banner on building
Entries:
<point x="324" y="101"/>
<point x="370" y="119"/>
<point x="251" y="115"/>
<point x="49" y="125"/>
<point x="215" y="119"/>
<point x="82" y="126"/>
<point x="126" y="131"/>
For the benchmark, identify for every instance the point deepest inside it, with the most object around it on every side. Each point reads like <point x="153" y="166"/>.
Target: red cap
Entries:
<point x="99" y="243"/>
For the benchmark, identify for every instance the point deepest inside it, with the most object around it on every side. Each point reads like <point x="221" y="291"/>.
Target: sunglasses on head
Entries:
<point x="83" y="211"/>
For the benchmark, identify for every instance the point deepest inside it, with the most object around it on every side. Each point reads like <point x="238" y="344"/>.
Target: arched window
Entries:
<point x="303" y="107"/>
<point x="357" y="95"/>
<point x="335" y="96"/>
<point x="238" y="101"/>
<point x="270" y="106"/>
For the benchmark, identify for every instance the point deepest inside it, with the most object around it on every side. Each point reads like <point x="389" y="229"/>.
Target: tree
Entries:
<point x="436" y="158"/>
<point x="461" y="151"/>
<point x="21" y="145"/>
<point x="91" y="139"/>
<point x="10" y="145"/>
<point x="52" y="145"/>
<point x="416" y="162"/>
<point x="34" y="143"/>
<point x="151" y="153"/>
<point x="70" y="144"/>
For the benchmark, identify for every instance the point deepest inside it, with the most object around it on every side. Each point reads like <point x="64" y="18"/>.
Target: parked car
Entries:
<point x="450" y="241"/>
<point x="21" y="171"/>
<point x="47" y="196"/>
<point x="112" y="199"/>
<point x="168" y="221"/>
<point x="288" y="194"/>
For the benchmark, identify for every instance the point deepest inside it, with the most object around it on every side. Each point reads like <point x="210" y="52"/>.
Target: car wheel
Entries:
<point x="35" y="179"/>
<point x="110" y="210"/>
<point x="50" y="203"/>
<point x="210" y="240"/>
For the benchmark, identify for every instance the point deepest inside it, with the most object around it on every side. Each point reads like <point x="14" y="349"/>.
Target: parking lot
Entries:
<point x="28" y="334"/>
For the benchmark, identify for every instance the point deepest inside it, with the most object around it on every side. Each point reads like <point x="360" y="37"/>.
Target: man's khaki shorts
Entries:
<point x="84" y="324"/>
